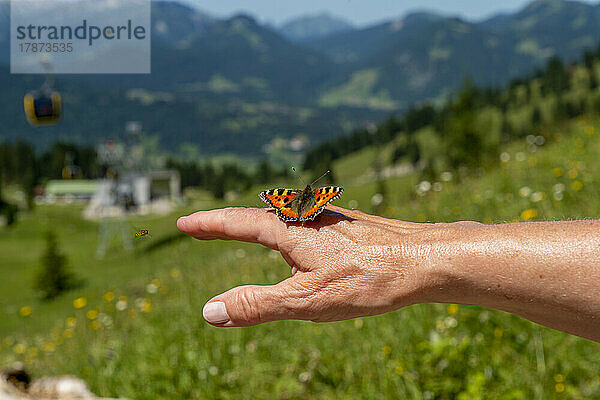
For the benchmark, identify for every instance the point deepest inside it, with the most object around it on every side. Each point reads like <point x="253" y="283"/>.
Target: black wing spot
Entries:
<point x="280" y="191"/>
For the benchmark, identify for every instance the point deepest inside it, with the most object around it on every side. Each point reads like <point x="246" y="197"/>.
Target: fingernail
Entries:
<point x="181" y="221"/>
<point x="215" y="312"/>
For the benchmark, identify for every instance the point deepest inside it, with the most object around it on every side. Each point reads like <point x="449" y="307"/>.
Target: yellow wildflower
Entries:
<point x="572" y="174"/>
<point x="25" y="311"/>
<point x="146" y="306"/>
<point x="108" y="297"/>
<point x="49" y="347"/>
<point x="557" y="172"/>
<point x="32" y="352"/>
<point x="80" y="302"/>
<point x="452" y="309"/>
<point x="529" y="214"/>
<point x="92" y="314"/>
<point x="19" y="348"/>
<point x="94" y="325"/>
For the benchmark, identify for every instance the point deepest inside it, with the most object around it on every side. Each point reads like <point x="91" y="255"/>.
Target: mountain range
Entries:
<point x="314" y="27"/>
<point x="235" y="85"/>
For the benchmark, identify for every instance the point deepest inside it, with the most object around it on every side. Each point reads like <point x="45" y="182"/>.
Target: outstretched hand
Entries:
<point x="348" y="264"/>
<point x="345" y="264"/>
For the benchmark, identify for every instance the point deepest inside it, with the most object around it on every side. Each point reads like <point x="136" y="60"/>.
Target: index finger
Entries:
<point x="255" y="225"/>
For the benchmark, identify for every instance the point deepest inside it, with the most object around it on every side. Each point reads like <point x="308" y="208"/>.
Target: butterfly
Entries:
<point x="293" y="205"/>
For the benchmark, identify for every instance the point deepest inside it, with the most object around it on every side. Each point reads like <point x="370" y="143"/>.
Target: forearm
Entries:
<point x="548" y="272"/>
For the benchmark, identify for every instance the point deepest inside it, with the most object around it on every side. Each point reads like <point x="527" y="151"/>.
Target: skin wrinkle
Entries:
<point x="355" y="301"/>
<point x="292" y="263"/>
<point x="309" y="293"/>
<point x="382" y="256"/>
<point x="307" y="245"/>
<point x="245" y="300"/>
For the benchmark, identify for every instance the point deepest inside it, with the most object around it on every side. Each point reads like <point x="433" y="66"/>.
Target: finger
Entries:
<point x="251" y="305"/>
<point x="256" y="225"/>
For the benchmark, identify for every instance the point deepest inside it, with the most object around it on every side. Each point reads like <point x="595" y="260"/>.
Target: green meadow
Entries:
<point x="135" y="328"/>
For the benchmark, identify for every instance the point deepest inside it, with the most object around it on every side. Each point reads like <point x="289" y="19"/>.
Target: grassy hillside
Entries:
<point x="135" y="329"/>
<point x="556" y="180"/>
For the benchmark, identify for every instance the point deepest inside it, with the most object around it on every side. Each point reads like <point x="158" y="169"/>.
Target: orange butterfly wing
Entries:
<point x="287" y="214"/>
<point x="279" y="198"/>
<point x="322" y="197"/>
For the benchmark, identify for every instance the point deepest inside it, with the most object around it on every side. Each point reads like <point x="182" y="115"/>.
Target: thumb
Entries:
<point x="252" y="304"/>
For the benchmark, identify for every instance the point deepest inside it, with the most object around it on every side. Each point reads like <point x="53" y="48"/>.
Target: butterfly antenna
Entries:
<point x="319" y="178"/>
<point x="298" y="175"/>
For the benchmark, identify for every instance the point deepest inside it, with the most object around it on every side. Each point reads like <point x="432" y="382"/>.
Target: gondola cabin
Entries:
<point x="43" y="109"/>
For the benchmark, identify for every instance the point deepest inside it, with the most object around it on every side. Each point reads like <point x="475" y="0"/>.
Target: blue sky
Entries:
<point x="359" y="12"/>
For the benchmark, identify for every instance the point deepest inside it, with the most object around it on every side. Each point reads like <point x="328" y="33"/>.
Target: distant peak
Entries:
<point x="317" y="15"/>
<point x="168" y="4"/>
<point x="243" y="17"/>
<point x="315" y="25"/>
<point x="540" y="5"/>
<point x="421" y="16"/>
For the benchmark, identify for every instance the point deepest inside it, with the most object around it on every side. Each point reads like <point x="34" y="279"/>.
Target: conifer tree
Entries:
<point x="53" y="278"/>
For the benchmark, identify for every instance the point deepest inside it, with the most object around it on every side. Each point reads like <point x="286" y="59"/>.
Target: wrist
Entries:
<point x="449" y="271"/>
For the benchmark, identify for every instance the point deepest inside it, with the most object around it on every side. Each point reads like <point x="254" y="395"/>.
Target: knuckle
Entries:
<point x="247" y="306"/>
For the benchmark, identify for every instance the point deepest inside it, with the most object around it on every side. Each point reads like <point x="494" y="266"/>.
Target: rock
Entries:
<point x="16" y="384"/>
<point x="60" y="387"/>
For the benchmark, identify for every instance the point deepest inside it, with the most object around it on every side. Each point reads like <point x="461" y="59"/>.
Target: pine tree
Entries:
<point x="53" y="278"/>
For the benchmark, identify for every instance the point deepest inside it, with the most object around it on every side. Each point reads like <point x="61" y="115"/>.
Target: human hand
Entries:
<point x="348" y="264"/>
<point x="345" y="264"/>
